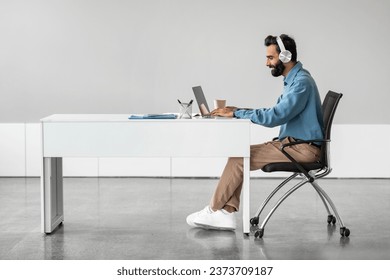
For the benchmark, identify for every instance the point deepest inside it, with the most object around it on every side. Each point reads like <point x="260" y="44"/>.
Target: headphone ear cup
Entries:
<point x="285" y="56"/>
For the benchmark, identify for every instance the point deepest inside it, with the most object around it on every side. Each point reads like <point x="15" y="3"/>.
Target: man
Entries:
<point x="297" y="112"/>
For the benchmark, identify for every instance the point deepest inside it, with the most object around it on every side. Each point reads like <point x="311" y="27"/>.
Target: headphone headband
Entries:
<point x="280" y="44"/>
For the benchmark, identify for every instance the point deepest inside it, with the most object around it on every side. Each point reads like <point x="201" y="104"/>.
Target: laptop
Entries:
<point x="202" y="102"/>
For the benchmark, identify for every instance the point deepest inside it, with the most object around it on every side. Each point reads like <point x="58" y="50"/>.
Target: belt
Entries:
<point x="310" y="143"/>
<point x="315" y="145"/>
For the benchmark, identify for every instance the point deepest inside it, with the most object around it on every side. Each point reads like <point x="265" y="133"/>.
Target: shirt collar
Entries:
<point x="293" y="72"/>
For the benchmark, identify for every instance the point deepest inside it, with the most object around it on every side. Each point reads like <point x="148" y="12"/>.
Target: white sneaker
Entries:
<point x="190" y="218"/>
<point x="220" y="219"/>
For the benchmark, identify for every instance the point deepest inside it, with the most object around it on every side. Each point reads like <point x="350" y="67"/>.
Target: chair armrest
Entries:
<point x="292" y="159"/>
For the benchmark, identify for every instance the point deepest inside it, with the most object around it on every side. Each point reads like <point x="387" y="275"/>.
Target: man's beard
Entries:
<point x="277" y="69"/>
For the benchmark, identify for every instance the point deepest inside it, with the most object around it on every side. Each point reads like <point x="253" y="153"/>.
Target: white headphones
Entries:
<point x="284" y="55"/>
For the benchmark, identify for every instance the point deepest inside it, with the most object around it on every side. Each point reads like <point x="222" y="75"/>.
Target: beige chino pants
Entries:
<point x="228" y="190"/>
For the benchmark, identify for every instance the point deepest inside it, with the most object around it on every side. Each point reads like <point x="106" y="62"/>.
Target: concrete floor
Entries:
<point x="144" y="218"/>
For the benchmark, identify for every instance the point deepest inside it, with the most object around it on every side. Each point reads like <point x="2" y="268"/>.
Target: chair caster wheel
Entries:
<point x="331" y="219"/>
<point x="345" y="231"/>
<point x="259" y="233"/>
<point x="254" y="221"/>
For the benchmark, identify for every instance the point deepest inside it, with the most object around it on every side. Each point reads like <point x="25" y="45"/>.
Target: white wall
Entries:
<point x="129" y="56"/>
<point x="140" y="56"/>
<point x="356" y="151"/>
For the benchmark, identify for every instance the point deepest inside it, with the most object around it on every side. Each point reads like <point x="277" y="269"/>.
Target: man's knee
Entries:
<point x="236" y="162"/>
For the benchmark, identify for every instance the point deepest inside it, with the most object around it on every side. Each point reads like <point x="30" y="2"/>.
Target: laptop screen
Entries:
<point x="201" y="100"/>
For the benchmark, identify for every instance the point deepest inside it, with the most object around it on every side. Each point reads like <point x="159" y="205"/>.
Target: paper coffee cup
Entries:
<point x="219" y="103"/>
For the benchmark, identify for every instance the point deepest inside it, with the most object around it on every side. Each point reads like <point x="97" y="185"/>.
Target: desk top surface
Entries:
<point x="125" y="118"/>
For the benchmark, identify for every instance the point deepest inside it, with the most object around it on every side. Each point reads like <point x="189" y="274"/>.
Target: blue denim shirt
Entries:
<point x="298" y="110"/>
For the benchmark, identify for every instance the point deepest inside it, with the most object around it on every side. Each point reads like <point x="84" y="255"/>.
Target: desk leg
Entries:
<point x="245" y="197"/>
<point x="52" y="200"/>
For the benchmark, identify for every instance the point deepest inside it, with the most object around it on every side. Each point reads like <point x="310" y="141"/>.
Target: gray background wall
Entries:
<point x="139" y="56"/>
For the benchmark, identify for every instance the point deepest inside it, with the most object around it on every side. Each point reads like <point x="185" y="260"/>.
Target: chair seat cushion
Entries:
<point x="290" y="167"/>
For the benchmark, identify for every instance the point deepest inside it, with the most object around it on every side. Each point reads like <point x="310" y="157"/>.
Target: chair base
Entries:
<point x="344" y="231"/>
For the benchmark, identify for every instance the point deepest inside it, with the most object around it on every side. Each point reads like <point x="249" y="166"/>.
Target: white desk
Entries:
<point x="116" y="136"/>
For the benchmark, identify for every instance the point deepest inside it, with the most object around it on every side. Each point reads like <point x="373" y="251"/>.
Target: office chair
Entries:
<point x="310" y="172"/>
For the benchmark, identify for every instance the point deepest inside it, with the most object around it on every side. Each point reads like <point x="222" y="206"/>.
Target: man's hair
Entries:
<point x="288" y="42"/>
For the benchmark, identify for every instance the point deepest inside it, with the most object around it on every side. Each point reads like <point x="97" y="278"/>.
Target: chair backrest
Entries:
<point x="329" y="106"/>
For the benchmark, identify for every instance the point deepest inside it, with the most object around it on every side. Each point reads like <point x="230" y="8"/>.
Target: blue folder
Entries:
<point x="152" y="116"/>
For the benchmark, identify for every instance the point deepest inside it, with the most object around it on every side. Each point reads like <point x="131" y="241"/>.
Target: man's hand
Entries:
<point x="224" y="112"/>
